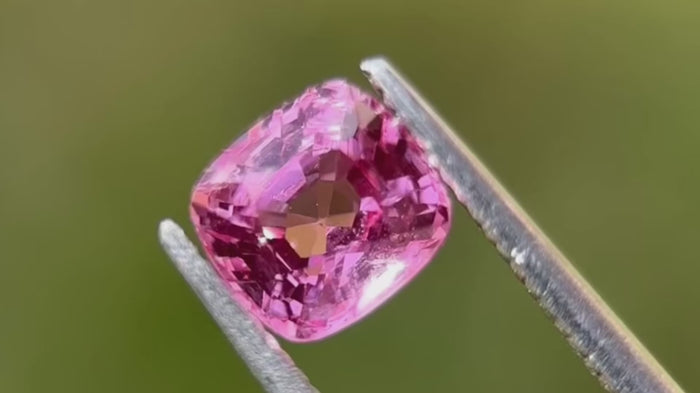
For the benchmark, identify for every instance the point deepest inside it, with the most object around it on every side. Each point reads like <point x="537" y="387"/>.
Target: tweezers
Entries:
<point x="607" y="347"/>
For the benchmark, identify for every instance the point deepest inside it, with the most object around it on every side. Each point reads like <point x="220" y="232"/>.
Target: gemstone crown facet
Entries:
<point x="320" y="212"/>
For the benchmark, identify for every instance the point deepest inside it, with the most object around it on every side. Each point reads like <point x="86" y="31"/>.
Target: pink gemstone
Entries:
<point x="320" y="212"/>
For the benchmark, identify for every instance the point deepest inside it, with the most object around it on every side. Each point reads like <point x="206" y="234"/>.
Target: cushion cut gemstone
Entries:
<point x="320" y="212"/>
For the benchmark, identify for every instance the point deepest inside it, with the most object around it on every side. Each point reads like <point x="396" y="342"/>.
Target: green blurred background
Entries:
<point x="589" y="112"/>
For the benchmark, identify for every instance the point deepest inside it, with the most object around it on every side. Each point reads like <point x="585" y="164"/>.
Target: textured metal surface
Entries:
<point x="273" y="368"/>
<point x="607" y="347"/>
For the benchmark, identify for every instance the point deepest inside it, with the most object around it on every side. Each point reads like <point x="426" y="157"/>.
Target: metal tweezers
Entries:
<point x="607" y="347"/>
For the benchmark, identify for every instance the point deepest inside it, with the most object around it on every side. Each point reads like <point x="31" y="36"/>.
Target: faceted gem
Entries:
<point x="320" y="212"/>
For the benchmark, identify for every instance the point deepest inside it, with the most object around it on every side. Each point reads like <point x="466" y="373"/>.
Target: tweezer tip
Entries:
<point x="372" y="65"/>
<point x="166" y="229"/>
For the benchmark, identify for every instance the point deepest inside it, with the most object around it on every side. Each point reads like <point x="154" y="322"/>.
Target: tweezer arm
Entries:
<point x="608" y="348"/>
<point x="272" y="367"/>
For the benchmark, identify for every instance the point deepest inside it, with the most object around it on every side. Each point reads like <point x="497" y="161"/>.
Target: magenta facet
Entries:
<point x="320" y="212"/>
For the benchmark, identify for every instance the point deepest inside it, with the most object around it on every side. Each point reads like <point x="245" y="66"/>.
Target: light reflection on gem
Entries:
<point x="383" y="280"/>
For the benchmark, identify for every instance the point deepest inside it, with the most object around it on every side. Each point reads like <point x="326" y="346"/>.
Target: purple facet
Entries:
<point x="320" y="212"/>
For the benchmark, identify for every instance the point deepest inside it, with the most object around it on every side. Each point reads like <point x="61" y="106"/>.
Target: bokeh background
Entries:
<point x="589" y="112"/>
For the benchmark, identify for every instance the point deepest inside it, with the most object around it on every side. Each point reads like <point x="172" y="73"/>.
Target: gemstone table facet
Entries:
<point x="320" y="212"/>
